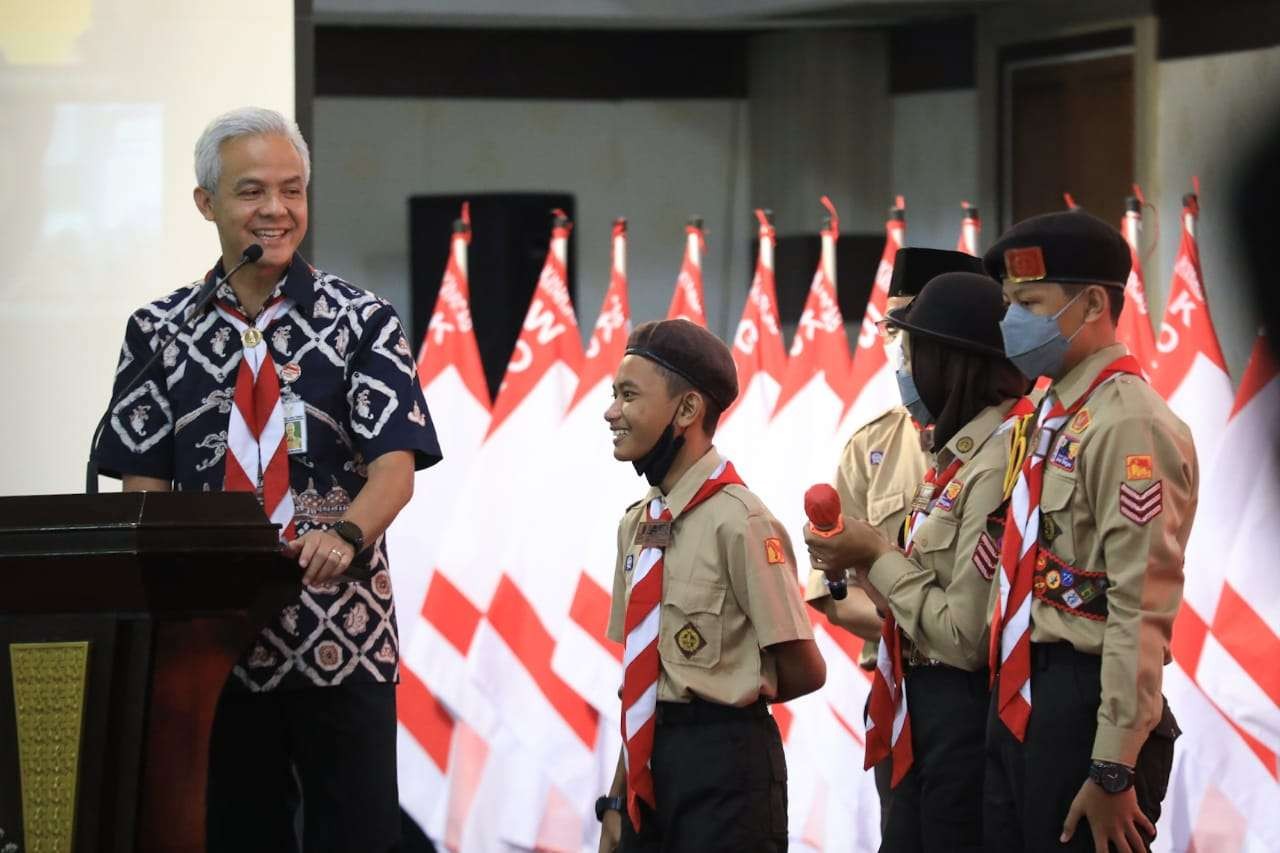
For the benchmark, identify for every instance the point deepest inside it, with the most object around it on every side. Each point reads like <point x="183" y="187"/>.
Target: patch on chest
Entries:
<point x="629" y="563"/>
<point x="689" y="640"/>
<point x="1080" y="422"/>
<point x="950" y="494"/>
<point x="1065" y="453"/>
<point x="876" y="457"/>
<point x="654" y="534"/>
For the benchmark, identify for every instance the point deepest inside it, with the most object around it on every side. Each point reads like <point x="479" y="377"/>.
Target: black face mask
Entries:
<point x="655" y="464"/>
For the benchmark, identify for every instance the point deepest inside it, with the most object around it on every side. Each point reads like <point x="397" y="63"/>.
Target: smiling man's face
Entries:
<point x="261" y="198"/>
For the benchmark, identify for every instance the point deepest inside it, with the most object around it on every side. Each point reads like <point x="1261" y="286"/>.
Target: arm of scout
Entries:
<point x="611" y="823"/>
<point x="1141" y="484"/>
<point x="950" y="620"/>
<point x="145" y="462"/>
<point x="855" y="613"/>
<point x="388" y="489"/>
<point x="762" y="573"/>
<point x="1143" y="524"/>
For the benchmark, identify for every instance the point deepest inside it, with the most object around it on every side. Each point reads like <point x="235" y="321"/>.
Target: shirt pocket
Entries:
<point x="692" y="623"/>
<point x="882" y="507"/>
<point x="1056" y="522"/>
<point x="936" y="534"/>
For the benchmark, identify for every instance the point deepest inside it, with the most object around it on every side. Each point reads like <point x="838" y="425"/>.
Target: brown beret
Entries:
<point x="690" y="351"/>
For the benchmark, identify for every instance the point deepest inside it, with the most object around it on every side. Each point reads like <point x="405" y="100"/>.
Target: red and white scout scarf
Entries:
<point x="640" y="658"/>
<point x="1010" y="649"/>
<point x="257" y="453"/>
<point x="888" y="723"/>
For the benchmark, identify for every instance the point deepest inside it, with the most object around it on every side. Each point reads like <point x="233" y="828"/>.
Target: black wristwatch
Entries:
<point x="350" y="532"/>
<point x="605" y="804"/>
<point x="1111" y="777"/>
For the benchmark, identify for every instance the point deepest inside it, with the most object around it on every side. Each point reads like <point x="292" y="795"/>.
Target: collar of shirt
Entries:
<point x="965" y="444"/>
<point x="1070" y="387"/>
<point x="298" y="284"/>
<point x="688" y="484"/>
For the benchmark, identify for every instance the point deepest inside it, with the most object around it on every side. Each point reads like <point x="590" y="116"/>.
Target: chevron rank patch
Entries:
<point x="986" y="556"/>
<point x="1142" y="506"/>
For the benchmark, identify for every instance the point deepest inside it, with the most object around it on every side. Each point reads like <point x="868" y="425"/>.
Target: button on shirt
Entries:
<point x="341" y="350"/>
<point x="728" y="592"/>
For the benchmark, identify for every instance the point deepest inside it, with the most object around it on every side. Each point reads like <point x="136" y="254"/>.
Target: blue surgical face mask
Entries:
<point x="1033" y="342"/>
<point x="911" y="398"/>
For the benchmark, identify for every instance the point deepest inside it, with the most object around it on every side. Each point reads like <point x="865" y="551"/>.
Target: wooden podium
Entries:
<point x="121" y="616"/>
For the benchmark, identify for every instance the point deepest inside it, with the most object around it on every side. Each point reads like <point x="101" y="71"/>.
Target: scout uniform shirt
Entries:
<point x="940" y="594"/>
<point x="879" y="470"/>
<point x="1119" y="495"/>
<point x="728" y="592"/>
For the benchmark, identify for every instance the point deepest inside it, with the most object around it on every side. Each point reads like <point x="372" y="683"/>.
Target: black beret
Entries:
<point x="1069" y="247"/>
<point x="912" y="268"/>
<point x="691" y="351"/>
<point x="963" y="309"/>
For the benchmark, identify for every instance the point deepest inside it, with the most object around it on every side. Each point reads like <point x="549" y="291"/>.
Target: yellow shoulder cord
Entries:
<point x="1017" y="452"/>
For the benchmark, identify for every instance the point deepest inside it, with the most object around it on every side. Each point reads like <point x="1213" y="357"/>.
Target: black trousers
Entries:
<point x="720" y="779"/>
<point x="1029" y="786"/>
<point x="937" y="807"/>
<point x="329" y="751"/>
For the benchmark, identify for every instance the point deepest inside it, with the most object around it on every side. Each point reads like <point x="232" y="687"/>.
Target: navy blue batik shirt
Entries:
<point x="343" y="351"/>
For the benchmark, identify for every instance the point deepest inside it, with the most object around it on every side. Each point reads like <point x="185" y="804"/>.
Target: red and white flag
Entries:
<point x="1190" y="372"/>
<point x="687" y="301"/>
<point x="761" y="359"/>
<point x="970" y="237"/>
<point x="490" y="648"/>
<point x="1134" y="329"/>
<point x="872" y="388"/>
<point x="585" y="658"/>
<point x="1224" y="686"/>
<point x="453" y="382"/>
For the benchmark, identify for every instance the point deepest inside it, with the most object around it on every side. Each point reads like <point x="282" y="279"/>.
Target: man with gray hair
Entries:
<point x="300" y="387"/>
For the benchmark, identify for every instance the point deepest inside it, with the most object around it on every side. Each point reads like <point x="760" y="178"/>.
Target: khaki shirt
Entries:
<point x="1119" y="497"/>
<point x="729" y="574"/>
<point x="940" y="595"/>
<point x="879" y="470"/>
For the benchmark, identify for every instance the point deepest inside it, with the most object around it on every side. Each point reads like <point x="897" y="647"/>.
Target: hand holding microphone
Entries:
<point x="822" y="506"/>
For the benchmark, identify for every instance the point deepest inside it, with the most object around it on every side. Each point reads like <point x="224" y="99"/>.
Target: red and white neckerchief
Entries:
<point x="640" y="658"/>
<point x="257" y="453"/>
<point x="888" y="723"/>
<point x="1010" y="649"/>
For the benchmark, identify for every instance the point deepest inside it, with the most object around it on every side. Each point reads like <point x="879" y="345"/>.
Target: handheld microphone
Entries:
<point x="822" y="505"/>
<point x="203" y="297"/>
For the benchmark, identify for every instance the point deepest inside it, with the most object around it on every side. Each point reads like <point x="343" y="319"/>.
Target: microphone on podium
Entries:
<point x="204" y="296"/>
<point x="822" y="505"/>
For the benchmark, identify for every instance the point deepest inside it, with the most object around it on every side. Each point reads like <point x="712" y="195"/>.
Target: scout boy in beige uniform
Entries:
<point x="879" y="470"/>
<point x="705" y="601"/>
<point x="1091" y="571"/>
<point x="937" y="587"/>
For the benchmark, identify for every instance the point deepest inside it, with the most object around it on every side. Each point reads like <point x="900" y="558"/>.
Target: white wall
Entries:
<point x="654" y="162"/>
<point x="1208" y="112"/>
<point x="935" y="164"/>
<point x="100" y="107"/>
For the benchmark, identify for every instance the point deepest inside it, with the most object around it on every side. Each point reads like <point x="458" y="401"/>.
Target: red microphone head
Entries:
<point x="822" y="505"/>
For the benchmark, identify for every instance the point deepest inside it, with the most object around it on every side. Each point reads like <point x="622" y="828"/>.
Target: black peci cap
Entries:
<point x="1068" y="247"/>
<point x="912" y="268"/>
<point x="690" y="351"/>
<point x="963" y="309"/>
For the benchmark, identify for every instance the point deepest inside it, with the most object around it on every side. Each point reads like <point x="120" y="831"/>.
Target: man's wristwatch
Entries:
<point x="351" y="533"/>
<point x="605" y="804"/>
<point x="1111" y="777"/>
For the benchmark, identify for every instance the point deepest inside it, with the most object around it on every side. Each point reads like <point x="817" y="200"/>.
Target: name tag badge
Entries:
<point x="295" y="425"/>
<point x="654" y="534"/>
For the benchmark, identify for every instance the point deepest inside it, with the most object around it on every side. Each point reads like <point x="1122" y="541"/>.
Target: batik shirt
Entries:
<point x="343" y="351"/>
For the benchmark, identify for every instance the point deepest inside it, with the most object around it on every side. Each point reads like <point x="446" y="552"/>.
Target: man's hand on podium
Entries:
<point x="322" y="554"/>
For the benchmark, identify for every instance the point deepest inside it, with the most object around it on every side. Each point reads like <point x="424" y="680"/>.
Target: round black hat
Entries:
<point x="912" y="268"/>
<point x="690" y="351"/>
<point x="962" y="309"/>
<point x="1069" y="247"/>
